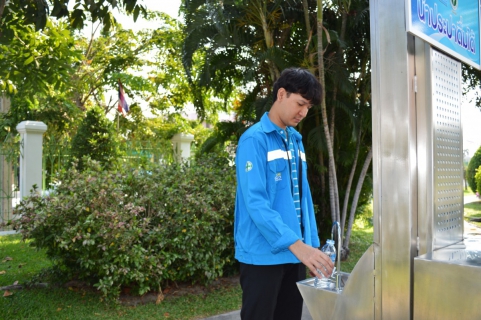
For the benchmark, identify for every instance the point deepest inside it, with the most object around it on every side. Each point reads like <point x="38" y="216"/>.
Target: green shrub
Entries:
<point x="137" y="228"/>
<point x="474" y="163"/>
<point x="96" y="138"/>
<point x="477" y="177"/>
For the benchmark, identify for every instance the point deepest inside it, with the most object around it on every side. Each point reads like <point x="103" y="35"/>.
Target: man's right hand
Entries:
<point x="312" y="258"/>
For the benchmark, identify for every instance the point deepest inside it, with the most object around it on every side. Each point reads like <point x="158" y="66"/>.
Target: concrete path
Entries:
<point x="235" y="315"/>
<point x="471" y="198"/>
<point x="4" y="233"/>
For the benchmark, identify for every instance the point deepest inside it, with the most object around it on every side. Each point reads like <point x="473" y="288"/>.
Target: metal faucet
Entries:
<point x="338" y="256"/>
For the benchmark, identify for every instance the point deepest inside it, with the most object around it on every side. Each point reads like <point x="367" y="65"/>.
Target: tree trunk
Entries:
<point x="261" y="8"/>
<point x="305" y="8"/>
<point x="360" y="182"/>
<point x="332" y="166"/>
<point x="310" y="57"/>
<point x="2" y="7"/>
<point x="339" y="58"/>
<point x="349" y="182"/>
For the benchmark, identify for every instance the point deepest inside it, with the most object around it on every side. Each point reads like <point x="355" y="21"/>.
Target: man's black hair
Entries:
<point x="300" y="81"/>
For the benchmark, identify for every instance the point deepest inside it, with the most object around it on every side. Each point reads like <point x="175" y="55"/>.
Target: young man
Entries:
<point x="275" y="229"/>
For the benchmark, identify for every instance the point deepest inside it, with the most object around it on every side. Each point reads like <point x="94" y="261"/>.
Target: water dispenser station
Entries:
<point x="421" y="264"/>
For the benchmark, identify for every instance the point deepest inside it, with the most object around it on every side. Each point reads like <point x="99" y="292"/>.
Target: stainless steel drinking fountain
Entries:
<point x="420" y="265"/>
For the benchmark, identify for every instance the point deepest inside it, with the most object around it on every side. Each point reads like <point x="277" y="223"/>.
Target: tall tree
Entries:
<point x="35" y="70"/>
<point x="21" y="17"/>
<point x="242" y="46"/>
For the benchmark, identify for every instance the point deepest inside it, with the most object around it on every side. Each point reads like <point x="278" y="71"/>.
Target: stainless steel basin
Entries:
<point x="355" y="300"/>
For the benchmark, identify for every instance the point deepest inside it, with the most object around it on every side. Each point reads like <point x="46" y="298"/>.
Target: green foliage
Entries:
<point x="96" y="138"/>
<point x="36" y="61"/>
<point x="223" y="134"/>
<point x="240" y="47"/>
<point x="169" y="76"/>
<point x="53" y="75"/>
<point x="474" y="164"/>
<point x="36" y="13"/>
<point x="35" y="72"/>
<point x="136" y="228"/>
<point x="108" y="58"/>
<point x="477" y="178"/>
<point x="472" y="79"/>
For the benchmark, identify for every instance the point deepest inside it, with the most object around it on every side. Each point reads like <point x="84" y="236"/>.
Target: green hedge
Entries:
<point x="137" y="228"/>
<point x="477" y="178"/>
<point x="474" y="164"/>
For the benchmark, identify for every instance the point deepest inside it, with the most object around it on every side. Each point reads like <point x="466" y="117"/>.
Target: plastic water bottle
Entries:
<point x="330" y="250"/>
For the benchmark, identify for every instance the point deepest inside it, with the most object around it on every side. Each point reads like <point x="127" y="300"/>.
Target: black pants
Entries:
<point x="270" y="292"/>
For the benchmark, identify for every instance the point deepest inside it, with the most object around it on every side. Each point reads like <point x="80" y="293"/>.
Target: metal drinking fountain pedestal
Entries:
<point x="420" y="265"/>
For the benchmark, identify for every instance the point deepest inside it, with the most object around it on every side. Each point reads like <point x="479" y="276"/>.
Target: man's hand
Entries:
<point x="312" y="258"/>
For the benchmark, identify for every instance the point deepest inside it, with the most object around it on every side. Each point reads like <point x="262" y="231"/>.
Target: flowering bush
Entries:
<point x="136" y="228"/>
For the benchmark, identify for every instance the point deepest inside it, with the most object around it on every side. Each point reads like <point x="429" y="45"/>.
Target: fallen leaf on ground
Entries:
<point x="7" y="259"/>
<point x="15" y="283"/>
<point x="7" y="293"/>
<point x="3" y="272"/>
<point x="59" y="309"/>
<point x="160" y="298"/>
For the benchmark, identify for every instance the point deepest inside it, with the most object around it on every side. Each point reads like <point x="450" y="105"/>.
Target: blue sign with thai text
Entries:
<point x="450" y="25"/>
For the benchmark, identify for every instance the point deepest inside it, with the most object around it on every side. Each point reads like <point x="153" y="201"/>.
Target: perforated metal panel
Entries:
<point x="448" y="151"/>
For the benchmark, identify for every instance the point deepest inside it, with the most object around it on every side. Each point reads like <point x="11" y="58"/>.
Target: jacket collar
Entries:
<point x="268" y="126"/>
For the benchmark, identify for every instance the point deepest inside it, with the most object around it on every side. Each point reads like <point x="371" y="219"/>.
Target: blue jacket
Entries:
<point x="265" y="222"/>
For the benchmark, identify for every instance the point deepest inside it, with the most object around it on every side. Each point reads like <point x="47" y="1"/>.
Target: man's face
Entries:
<point x="292" y="108"/>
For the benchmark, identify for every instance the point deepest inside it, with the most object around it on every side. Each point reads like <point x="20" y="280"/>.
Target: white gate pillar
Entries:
<point x="181" y="143"/>
<point x="31" y="133"/>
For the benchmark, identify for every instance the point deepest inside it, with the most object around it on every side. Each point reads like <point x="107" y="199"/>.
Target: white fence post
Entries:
<point x="181" y="143"/>
<point x="31" y="133"/>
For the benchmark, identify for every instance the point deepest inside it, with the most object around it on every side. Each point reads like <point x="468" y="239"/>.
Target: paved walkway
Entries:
<point x="235" y="315"/>
<point x="471" y="198"/>
<point x="4" y="233"/>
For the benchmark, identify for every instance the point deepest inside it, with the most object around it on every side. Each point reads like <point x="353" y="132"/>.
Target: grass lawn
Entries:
<point x="472" y="209"/>
<point x="20" y="262"/>
<point x="62" y="303"/>
<point x="361" y="239"/>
